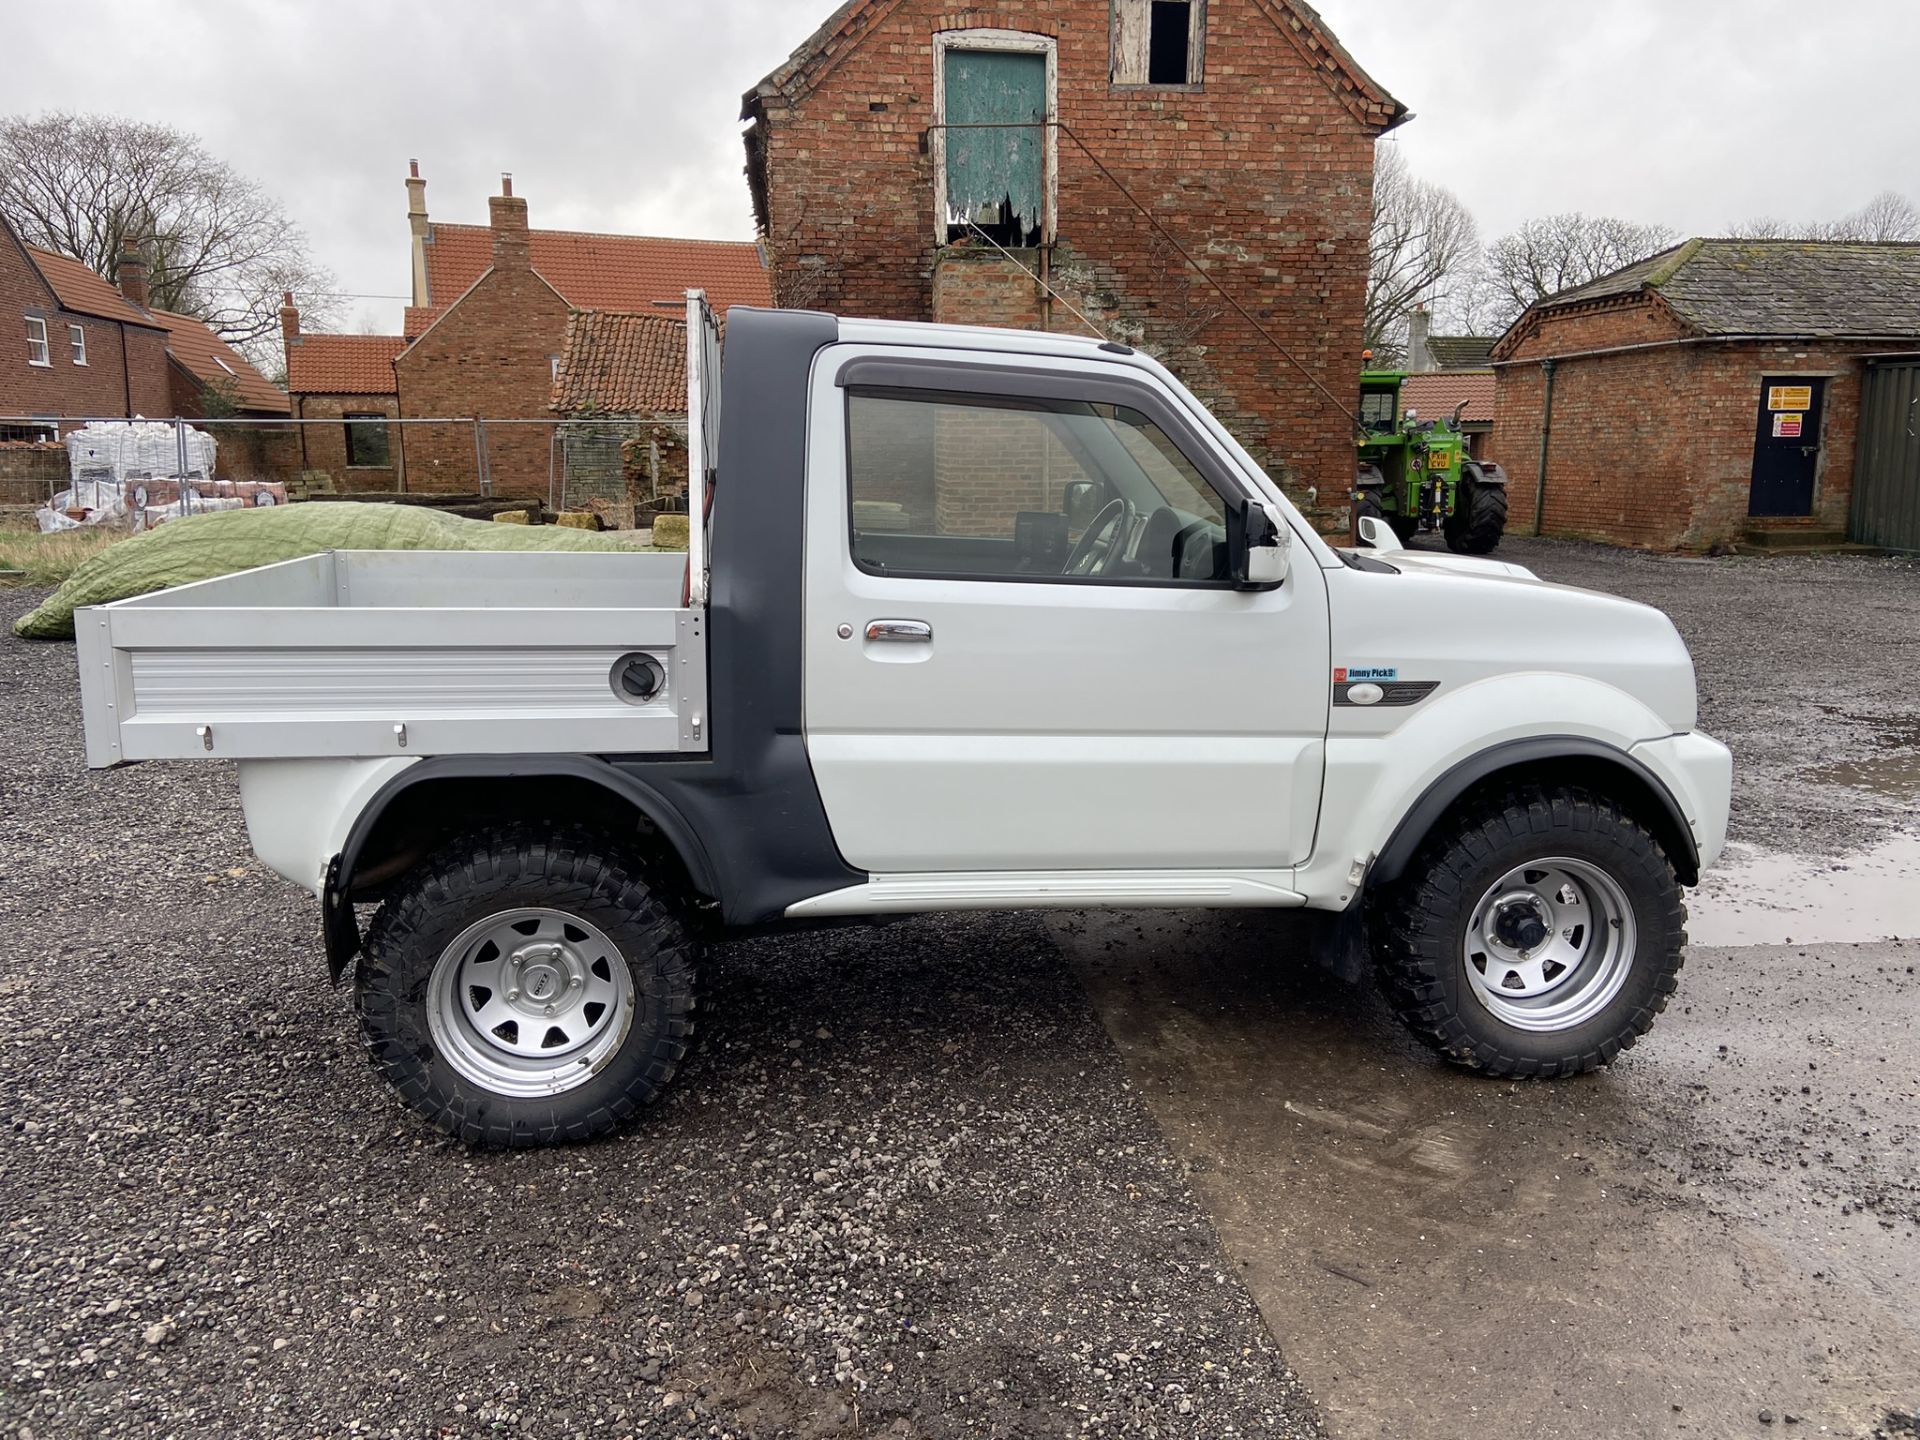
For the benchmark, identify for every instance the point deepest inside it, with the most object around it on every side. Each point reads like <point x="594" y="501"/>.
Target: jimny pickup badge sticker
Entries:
<point x="1353" y="675"/>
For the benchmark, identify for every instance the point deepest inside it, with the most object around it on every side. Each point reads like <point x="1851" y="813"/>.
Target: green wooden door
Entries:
<point x="996" y="175"/>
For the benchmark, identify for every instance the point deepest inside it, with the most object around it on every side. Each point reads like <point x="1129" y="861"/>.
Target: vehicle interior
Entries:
<point x="961" y="485"/>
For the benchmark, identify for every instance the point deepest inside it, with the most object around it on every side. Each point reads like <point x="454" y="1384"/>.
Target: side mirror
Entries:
<point x="1376" y="534"/>
<point x="1258" y="545"/>
<point x="1080" y="504"/>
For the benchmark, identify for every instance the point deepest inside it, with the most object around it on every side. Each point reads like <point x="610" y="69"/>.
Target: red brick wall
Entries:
<point x="63" y="388"/>
<point x="1654" y="447"/>
<point x="324" y="447"/>
<point x="1264" y="175"/>
<point x="490" y="355"/>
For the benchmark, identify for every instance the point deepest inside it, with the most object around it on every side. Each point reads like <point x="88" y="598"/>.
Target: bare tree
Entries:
<point x="219" y="246"/>
<point x="1888" y="216"/>
<point x="1557" y="252"/>
<point x="1423" y="240"/>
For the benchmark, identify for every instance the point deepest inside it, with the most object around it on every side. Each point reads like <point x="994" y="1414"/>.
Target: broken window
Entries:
<point x="994" y="133"/>
<point x="1158" y="42"/>
<point x="367" y="440"/>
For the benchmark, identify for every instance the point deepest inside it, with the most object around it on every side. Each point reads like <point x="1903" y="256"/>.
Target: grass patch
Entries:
<point x="34" y="559"/>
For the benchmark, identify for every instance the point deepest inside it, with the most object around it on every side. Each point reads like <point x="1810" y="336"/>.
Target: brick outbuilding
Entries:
<point x="483" y="336"/>
<point x="1705" y="395"/>
<point x="908" y="140"/>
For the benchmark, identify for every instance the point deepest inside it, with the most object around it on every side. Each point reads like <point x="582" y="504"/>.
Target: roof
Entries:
<point x="1460" y="352"/>
<point x="1797" y="288"/>
<point x="622" y="363"/>
<point x="1437" y="391"/>
<point x="85" y="293"/>
<point x="848" y="27"/>
<point x="600" y="272"/>
<point x="343" y="364"/>
<point x="209" y="359"/>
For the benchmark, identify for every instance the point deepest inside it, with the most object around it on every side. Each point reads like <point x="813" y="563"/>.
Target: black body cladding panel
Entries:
<point x="753" y="802"/>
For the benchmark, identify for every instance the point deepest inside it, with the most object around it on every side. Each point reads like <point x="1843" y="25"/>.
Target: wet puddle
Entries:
<point x="1757" y="897"/>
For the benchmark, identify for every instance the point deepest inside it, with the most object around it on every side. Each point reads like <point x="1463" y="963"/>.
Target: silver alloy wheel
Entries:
<point x="1550" y="944"/>
<point x="529" y="1002"/>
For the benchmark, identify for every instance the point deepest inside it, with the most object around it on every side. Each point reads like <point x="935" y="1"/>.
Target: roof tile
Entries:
<point x="210" y="359"/>
<point x="604" y="272"/>
<point x="1436" y="392"/>
<point x="85" y="293"/>
<point x="343" y="364"/>
<point x="1812" y="288"/>
<point x="622" y="363"/>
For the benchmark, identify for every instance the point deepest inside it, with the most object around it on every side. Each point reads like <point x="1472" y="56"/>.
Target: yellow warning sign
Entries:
<point x="1789" y="397"/>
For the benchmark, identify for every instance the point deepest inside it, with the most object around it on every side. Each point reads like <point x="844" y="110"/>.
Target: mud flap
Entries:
<point x="1339" y="942"/>
<point x="339" y="928"/>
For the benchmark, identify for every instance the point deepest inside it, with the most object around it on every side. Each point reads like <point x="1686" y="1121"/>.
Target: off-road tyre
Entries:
<point x="1478" y="520"/>
<point x="1418" y="929"/>
<point x="574" y="871"/>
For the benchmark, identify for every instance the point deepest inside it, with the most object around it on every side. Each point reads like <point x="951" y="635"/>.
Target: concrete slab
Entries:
<point x="1726" y="1222"/>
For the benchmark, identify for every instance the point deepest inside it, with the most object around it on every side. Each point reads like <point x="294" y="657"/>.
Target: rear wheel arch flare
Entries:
<point x="1554" y="760"/>
<point x="429" y="802"/>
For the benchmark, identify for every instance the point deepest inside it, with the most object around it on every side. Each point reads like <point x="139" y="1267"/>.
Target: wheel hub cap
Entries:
<point x="529" y="1002"/>
<point x="1549" y="944"/>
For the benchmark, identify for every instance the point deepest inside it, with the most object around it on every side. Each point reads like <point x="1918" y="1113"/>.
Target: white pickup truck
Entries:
<point x="970" y="619"/>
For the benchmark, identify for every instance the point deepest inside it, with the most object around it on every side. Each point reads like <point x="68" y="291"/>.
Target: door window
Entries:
<point x="968" y="486"/>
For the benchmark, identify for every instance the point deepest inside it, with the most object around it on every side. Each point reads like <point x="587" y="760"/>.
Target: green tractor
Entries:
<point x="1416" y="474"/>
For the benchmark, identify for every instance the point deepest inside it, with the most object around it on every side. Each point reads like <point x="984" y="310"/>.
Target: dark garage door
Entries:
<point x="1886" y="475"/>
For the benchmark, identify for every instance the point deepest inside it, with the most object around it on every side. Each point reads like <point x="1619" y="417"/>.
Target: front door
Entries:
<point x="1786" y="446"/>
<point x="1022" y="650"/>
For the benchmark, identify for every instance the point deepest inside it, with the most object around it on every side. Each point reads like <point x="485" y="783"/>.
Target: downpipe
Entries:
<point x="1546" y="434"/>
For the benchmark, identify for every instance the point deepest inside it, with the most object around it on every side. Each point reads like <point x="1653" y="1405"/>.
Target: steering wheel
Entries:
<point x="1102" y="541"/>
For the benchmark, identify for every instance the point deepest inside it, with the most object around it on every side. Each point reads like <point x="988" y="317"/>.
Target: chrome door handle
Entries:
<point x="915" y="632"/>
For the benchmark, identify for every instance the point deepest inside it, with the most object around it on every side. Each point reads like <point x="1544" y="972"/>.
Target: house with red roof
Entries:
<point x="84" y="347"/>
<point x="483" y="336"/>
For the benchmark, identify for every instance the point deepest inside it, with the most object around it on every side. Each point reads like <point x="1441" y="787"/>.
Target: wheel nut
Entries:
<point x="513" y="994"/>
<point x="549" y="1009"/>
<point x="574" y="983"/>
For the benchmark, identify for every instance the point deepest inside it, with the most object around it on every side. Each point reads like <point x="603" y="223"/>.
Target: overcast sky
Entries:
<point x="621" y="114"/>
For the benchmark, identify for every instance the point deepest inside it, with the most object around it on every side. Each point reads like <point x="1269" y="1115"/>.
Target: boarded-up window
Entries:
<point x="995" y="127"/>
<point x="1159" y="42"/>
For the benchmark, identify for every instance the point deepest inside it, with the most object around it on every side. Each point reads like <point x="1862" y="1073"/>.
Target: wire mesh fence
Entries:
<point x="80" y="470"/>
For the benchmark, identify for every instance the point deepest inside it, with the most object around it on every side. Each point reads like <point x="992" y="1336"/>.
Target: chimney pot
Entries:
<point x="413" y="169"/>
<point x="506" y="182"/>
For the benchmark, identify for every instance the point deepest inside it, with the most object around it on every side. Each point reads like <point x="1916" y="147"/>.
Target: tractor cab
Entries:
<point x="1380" y="400"/>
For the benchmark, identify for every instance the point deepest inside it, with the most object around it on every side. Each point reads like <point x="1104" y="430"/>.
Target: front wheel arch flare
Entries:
<point x="1558" y="760"/>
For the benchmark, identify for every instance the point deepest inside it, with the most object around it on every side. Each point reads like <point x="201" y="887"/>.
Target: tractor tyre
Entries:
<point x="1479" y="518"/>
<point x="1405" y="526"/>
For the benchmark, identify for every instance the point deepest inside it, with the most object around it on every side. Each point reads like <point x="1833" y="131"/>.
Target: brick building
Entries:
<point x="76" y="345"/>
<point x="348" y="378"/>
<point x="85" y="348"/>
<point x="1709" y="393"/>
<point x="483" y="337"/>
<point x="891" y="154"/>
<point x="623" y="381"/>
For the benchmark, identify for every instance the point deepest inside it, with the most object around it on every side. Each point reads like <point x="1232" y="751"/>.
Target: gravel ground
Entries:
<point x="903" y="1187"/>
<point x="1809" y="670"/>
